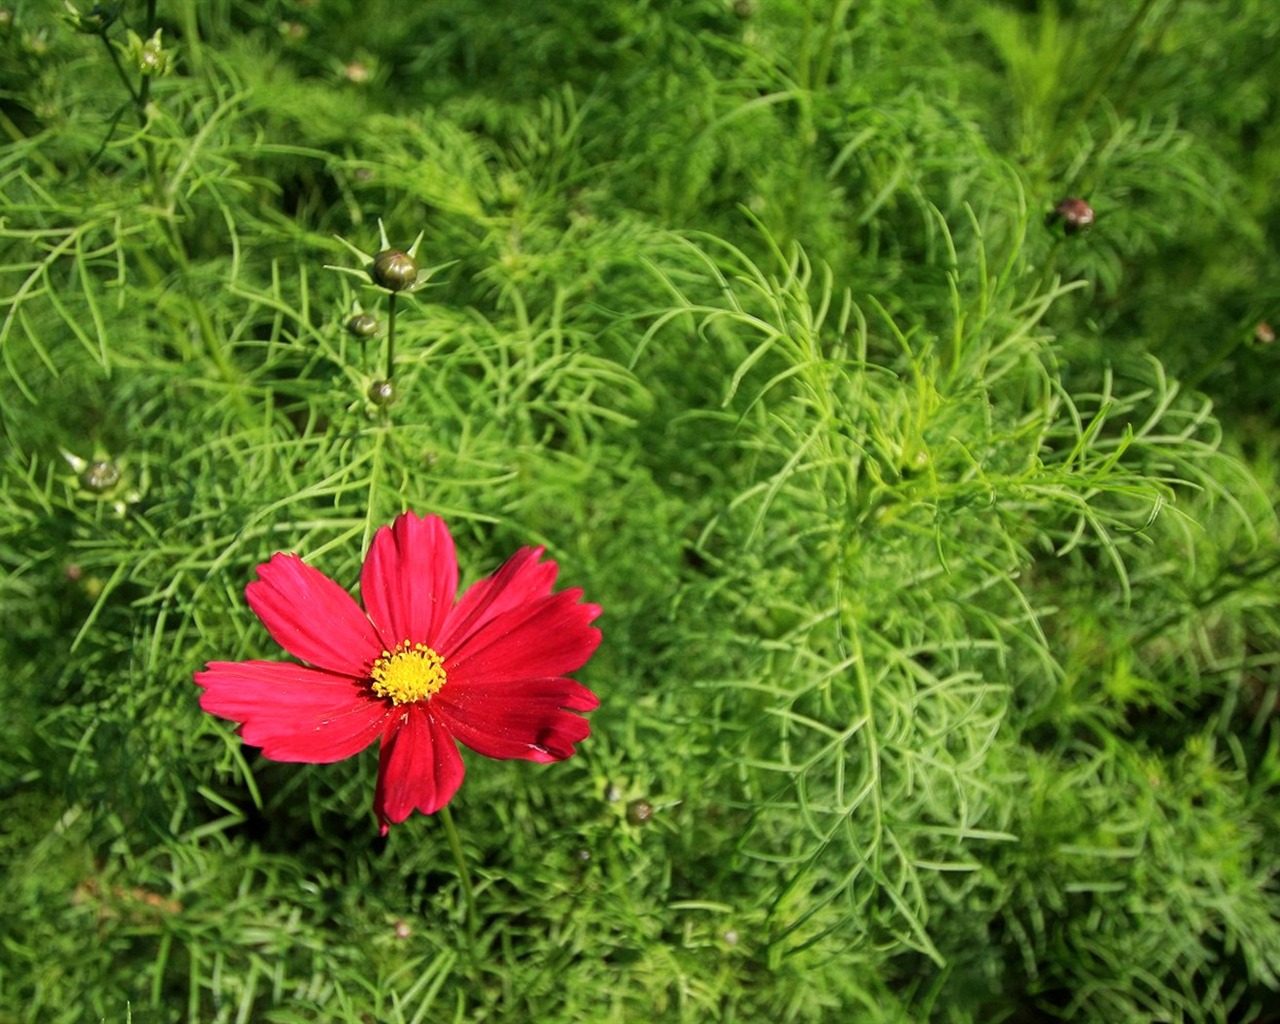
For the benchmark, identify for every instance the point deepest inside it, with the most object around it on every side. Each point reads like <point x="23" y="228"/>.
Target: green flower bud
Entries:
<point x="100" y="476"/>
<point x="394" y="270"/>
<point x="382" y="393"/>
<point x="149" y="57"/>
<point x="363" y="325"/>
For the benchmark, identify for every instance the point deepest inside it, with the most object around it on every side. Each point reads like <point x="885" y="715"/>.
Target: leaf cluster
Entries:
<point x="937" y="551"/>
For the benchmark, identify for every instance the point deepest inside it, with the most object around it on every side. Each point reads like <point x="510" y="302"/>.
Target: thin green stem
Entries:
<point x="140" y="97"/>
<point x="1101" y="80"/>
<point x="464" y="873"/>
<point x="138" y="102"/>
<point x="391" y="335"/>
<point x="144" y="87"/>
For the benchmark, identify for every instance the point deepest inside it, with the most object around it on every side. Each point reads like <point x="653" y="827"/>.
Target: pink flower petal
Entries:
<point x="292" y="712"/>
<point x="521" y="578"/>
<point x="531" y="719"/>
<point x="312" y="617"/>
<point x="507" y="644"/>
<point x="410" y="579"/>
<point x="548" y="637"/>
<point x="419" y="766"/>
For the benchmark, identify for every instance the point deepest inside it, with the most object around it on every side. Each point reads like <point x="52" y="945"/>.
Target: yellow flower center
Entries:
<point x="408" y="673"/>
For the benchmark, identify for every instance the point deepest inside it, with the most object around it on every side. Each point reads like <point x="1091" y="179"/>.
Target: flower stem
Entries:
<point x="391" y="345"/>
<point x="144" y="86"/>
<point x="124" y="76"/>
<point x="464" y="874"/>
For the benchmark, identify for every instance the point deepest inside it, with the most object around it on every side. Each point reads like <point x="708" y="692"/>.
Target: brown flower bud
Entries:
<point x="1076" y="215"/>
<point x="639" y="812"/>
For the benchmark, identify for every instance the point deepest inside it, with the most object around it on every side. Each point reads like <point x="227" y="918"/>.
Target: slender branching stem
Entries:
<point x="140" y="97"/>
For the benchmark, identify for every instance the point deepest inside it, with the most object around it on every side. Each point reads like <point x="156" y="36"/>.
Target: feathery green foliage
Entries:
<point x="937" y="546"/>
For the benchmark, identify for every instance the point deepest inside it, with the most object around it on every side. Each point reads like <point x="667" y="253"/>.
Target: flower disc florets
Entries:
<point x="409" y="673"/>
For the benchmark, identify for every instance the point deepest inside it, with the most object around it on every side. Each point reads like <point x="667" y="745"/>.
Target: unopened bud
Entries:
<point x="363" y="325"/>
<point x="149" y="57"/>
<point x="382" y="393"/>
<point x="100" y="476"/>
<point x="1076" y="215"/>
<point x="639" y="812"/>
<point x="394" y="270"/>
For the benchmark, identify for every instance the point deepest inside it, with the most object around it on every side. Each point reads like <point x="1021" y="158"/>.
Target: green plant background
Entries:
<point x="937" y="547"/>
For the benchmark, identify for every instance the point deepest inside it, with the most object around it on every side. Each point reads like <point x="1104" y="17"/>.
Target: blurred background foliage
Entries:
<point x="937" y="544"/>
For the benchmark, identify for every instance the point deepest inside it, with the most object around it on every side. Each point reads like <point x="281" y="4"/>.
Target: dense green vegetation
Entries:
<point x="936" y="542"/>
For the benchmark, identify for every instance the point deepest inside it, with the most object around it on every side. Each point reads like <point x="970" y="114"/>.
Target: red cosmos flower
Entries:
<point x="416" y="668"/>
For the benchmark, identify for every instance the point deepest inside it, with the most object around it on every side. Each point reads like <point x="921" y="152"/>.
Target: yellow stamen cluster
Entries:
<point x="409" y="672"/>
